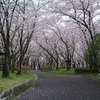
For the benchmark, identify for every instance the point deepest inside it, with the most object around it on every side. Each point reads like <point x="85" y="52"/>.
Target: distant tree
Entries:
<point x="66" y="48"/>
<point x="51" y="51"/>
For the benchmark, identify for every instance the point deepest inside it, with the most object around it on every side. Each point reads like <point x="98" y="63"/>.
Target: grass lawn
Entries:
<point x="13" y="80"/>
<point x="71" y="72"/>
<point x="62" y="71"/>
<point x="93" y="75"/>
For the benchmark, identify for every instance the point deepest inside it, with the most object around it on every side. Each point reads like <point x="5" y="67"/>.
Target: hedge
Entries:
<point x="46" y="68"/>
<point x="86" y="70"/>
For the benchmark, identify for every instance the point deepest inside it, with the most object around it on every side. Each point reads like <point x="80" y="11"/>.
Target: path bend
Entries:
<point x="63" y="87"/>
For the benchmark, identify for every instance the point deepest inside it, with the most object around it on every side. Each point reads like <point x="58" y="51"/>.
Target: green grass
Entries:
<point x="62" y="71"/>
<point x="14" y="80"/>
<point x="72" y="72"/>
<point x="92" y="74"/>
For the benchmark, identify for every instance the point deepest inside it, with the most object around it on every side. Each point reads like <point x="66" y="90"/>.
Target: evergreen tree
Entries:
<point x="92" y="54"/>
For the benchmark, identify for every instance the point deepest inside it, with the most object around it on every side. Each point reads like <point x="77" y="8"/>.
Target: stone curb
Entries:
<point x="12" y="93"/>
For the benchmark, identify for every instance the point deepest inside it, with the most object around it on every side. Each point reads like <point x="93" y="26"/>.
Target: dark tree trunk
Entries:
<point x="39" y="65"/>
<point x="12" y="66"/>
<point x="34" y="64"/>
<point x="5" y="72"/>
<point x="57" y="65"/>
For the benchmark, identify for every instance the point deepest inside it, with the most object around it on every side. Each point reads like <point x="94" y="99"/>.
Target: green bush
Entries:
<point x="86" y="70"/>
<point x="46" y="68"/>
<point x="15" y="68"/>
<point x="25" y="69"/>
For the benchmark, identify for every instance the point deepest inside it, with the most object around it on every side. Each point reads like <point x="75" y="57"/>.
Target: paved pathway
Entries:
<point x="63" y="87"/>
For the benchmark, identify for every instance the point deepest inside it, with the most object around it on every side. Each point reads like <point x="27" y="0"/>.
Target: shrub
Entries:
<point x="86" y="70"/>
<point x="15" y="68"/>
<point x="25" y="69"/>
<point x="46" y="68"/>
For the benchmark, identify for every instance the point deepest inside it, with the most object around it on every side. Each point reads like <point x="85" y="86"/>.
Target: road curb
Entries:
<point x="13" y="92"/>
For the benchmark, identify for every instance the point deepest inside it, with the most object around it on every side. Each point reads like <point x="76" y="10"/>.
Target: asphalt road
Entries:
<point x="63" y="87"/>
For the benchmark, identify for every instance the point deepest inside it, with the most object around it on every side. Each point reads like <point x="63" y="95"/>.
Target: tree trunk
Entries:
<point x="5" y="72"/>
<point x="57" y="65"/>
<point x="39" y="65"/>
<point x="13" y="66"/>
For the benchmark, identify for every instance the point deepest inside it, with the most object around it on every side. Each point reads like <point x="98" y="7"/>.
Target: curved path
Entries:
<point x="63" y="87"/>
